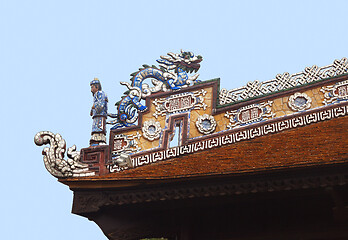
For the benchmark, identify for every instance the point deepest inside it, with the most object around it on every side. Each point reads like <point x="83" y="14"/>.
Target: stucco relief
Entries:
<point x="151" y="130"/>
<point x="206" y="124"/>
<point x="299" y="102"/>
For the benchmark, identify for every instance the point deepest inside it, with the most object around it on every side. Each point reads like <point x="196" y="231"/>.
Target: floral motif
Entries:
<point x="151" y="130"/>
<point x="299" y="102"/>
<point x="206" y="124"/>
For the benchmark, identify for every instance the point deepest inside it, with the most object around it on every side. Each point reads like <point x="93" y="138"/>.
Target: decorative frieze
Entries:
<point x="299" y="102"/>
<point x="206" y="124"/>
<point x="151" y="130"/>
<point x="250" y="114"/>
<point x="180" y="103"/>
<point x="335" y="93"/>
<point x="241" y="135"/>
<point x="125" y="143"/>
<point x="283" y="81"/>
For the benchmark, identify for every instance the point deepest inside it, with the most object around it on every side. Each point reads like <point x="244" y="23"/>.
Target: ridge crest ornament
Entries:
<point x="53" y="156"/>
<point x="182" y="115"/>
<point x="99" y="113"/>
<point x="172" y="74"/>
<point x="283" y="81"/>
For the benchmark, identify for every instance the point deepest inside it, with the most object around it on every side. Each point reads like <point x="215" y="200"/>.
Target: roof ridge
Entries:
<point x="283" y="81"/>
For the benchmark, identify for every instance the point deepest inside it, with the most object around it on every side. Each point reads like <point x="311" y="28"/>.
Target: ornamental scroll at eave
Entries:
<point x="177" y="103"/>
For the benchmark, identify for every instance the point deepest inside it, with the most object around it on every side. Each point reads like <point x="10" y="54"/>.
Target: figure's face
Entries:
<point x="94" y="89"/>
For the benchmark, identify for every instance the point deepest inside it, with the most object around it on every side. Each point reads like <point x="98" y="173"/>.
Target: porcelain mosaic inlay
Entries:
<point x="335" y="93"/>
<point x="242" y="134"/>
<point x="206" y="124"/>
<point x="125" y="144"/>
<point x="283" y="81"/>
<point x="180" y="103"/>
<point x="172" y="74"/>
<point x="151" y="130"/>
<point x="198" y="114"/>
<point x="299" y="102"/>
<point x="250" y="114"/>
<point x="54" y="156"/>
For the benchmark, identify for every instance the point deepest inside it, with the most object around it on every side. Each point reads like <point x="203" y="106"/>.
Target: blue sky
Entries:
<point x="51" y="50"/>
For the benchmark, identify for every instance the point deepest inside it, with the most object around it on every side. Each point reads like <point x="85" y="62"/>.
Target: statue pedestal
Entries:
<point x="96" y="157"/>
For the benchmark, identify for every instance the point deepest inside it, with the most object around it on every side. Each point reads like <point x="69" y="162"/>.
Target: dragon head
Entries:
<point x="187" y="61"/>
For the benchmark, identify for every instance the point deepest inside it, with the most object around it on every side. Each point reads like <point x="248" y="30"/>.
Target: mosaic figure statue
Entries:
<point x="171" y="75"/>
<point x="99" y="113"/>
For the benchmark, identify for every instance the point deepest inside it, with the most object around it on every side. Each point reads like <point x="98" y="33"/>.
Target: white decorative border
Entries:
<point x="243" y="134"/>
<point x="201" y="128"/>
<point x="283" y="81"/>
<point x="296" y="108"/>
<point x="147" y="134"/>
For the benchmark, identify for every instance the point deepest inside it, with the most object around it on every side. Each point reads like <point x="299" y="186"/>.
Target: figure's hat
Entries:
<point x="95" y="81"/>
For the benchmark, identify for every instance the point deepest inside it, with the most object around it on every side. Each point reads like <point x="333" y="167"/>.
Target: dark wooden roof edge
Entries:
<point x="86" y="202"/>
<point x="111" y="182"/>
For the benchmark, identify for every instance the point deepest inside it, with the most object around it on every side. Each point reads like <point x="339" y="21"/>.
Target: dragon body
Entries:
<point x="172" y="74"/>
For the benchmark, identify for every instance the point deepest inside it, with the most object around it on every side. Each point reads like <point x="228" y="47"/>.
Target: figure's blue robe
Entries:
<point x="99" y="112"/>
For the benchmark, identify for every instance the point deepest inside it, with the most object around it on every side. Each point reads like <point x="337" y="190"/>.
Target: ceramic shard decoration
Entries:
<point x="335" y="93"/>
<point x="182" y="102"/>
<point x="151" y="130"/>
<point x="206" y="124"/>
<point x="283" y="81"/>
<point x="166" y="112"/>
<point x="249" y="114"/>
<point x="299" y="102"/>
<point x="172" y="74"/>
<point x="53" y="156"/>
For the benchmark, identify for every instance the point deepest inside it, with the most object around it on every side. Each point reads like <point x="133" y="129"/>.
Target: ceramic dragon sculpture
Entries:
<point x="172" y="74"/>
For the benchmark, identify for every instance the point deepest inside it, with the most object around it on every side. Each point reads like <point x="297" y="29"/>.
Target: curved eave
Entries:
<point x="317" y="146"/>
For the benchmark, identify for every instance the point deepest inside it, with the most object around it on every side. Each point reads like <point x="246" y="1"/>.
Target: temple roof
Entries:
<point x="319" y="145"/>
<point x="289" y="123"/>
